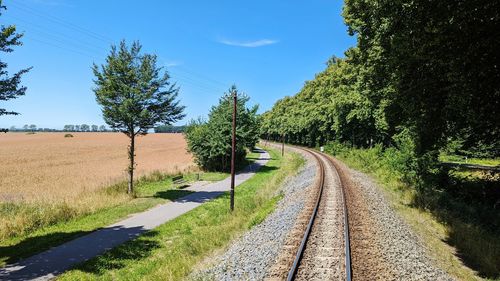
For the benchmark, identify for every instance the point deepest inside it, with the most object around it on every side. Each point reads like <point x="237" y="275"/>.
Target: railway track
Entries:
<point x="324" y="251"/>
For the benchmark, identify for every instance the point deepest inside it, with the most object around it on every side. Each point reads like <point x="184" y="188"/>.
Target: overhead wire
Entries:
<point x="189" y="77"/>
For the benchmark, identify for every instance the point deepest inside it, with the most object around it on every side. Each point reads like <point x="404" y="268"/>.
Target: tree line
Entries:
<point x="423" y="74"/>
<point x="169" y="129"/>
<point x="85" y="128"/>
<point x="66" y="128"/>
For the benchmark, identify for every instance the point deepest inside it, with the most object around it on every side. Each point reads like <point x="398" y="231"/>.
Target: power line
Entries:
<point x="188" y="76"/>
<point x="57" y="20"/>
<point x="60" y="38"/>
<point x="31" y="37"/>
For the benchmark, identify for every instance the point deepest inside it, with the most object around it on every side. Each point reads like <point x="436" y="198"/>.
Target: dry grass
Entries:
<point x="48" y="166"/>
<point x="47" y="178"/>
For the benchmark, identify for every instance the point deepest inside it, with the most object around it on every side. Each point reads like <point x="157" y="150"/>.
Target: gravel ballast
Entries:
<point x="250" y="256"/>
<point x="402" y="249"/>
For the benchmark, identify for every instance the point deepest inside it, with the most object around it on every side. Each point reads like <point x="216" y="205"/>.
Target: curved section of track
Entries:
<point x="324" y="252"/>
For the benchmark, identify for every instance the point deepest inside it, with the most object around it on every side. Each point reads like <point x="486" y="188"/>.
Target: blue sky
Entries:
<point x="267" y="48"/>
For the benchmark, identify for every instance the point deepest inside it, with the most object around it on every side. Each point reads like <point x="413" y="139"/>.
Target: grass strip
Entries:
<point x="151" y="190"/>
<point x="493" y="162"/>
<point x="170" y="251"/>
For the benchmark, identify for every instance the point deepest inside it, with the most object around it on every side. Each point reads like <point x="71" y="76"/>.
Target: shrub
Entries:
<point x="210" y="141"/>
<point x="68" y="135"/>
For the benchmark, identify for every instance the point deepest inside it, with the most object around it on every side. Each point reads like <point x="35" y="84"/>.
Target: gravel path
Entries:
<point x="252" y="254"/>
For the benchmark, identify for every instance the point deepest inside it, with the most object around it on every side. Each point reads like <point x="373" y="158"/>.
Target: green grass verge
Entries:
<point x="476" y="161"/>
<point x="170" y="251"/>
<point x="150" y="191"/>
<point x="458" y="223"/>
<point x="49" y="225"/>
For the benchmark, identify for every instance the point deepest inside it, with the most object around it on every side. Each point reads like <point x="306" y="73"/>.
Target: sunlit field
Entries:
<point x="49" y="166"/>
<point x="47" y="178"/>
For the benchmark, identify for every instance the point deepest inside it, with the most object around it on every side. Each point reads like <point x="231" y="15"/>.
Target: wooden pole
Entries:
<point x="233" y="150"/>
<point x="282" y="145"/>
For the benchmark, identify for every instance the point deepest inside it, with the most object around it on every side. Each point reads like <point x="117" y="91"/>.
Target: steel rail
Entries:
<point x="348" y="268"/>
<point x="295" y="266"/>
<point x="293" y="271"/>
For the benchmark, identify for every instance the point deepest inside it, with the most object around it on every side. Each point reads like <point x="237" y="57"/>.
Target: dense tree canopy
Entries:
<point x="437" y="62"/>
<point x="210" y="141"/>
<point x="426" y="69"/>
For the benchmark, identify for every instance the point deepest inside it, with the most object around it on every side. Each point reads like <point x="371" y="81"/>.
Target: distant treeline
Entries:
<point x="169" y="129"/>
<point x="88" y="128"/>
<point x="85" y="128"/>
<point x="66" y="128"/>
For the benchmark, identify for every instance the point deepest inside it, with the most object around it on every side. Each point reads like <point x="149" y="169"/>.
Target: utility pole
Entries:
<point x="282" y="145"/>
<point x="233" y="150"/>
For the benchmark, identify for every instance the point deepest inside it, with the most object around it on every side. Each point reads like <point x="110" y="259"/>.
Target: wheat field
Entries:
<point x="46" y="178"/>
<point x="50" y="167"/>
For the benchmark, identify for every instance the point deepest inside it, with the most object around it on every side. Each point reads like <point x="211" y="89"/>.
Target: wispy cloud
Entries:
<point x="53" y="3"/>
<point x="248" y="44"/>
<point x="173" y="64"/>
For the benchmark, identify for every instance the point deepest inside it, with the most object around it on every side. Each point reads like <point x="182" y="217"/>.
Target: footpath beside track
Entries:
<point x="48" y="264"/>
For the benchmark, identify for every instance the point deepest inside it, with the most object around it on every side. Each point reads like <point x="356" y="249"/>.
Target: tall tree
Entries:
<point x="102" y="128"/>
<point x="95" y="128"/>
<point x="135" y="95"/>
<point x="10" y="87"/>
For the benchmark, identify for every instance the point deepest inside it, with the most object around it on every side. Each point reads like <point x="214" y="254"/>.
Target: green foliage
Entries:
<point x="210" y="141"/>
<point x="465" y="204"/>
<point x="330" y="107"/>
<point x="169" y="129"/>
<point x="10" y="87"/>
<point x="416" y="81"/>
<point x="134" y="93"/>
<point x="440" y="61"/>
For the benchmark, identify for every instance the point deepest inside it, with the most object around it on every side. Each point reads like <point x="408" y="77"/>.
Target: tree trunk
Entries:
<point x="131" y="154"/>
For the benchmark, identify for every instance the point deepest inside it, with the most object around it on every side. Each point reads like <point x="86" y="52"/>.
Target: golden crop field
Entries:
<point x="48" y="166"/>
